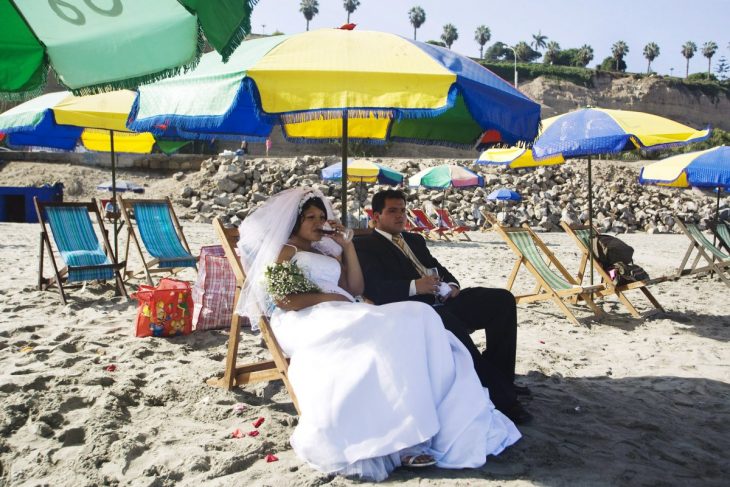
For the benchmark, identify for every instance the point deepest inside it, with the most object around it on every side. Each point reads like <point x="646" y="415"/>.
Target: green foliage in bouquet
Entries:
<point x="287" y="278"/>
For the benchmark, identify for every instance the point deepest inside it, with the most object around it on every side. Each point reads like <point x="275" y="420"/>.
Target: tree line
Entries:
<point x="540" y="46"/>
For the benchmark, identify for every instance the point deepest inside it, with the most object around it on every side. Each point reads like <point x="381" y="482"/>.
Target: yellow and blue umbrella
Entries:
<point x="100" y="46"/>
<point x="61" y="121"/>
<point x="363" y="172"/>
<point x="331" y="85"/>
<point x="702" y="169"/>
<point x="516" y="158"/>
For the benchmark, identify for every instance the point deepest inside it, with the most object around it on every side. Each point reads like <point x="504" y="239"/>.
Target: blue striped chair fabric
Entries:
<point x="76" y="240"/>
<point x="159" y="236"/>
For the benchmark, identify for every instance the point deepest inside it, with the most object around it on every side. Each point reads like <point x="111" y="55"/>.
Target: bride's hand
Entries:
<point x="339" y="235"/>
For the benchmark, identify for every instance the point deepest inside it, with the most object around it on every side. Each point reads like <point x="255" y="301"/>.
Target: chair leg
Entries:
<point x="40" y="266"/>
<point x="566" y="310"/>
<point x="234" y="337"/>
<point x="652" y="299"/>
<point x="592" y="304"/>
<point x="625" y="301"/>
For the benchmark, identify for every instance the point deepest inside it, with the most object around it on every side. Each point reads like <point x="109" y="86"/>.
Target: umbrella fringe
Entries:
<point x="133" y="83"/>
<point x="243" y="29"/>
<point x="21" y="96"/>
<point x="671" y="145"/>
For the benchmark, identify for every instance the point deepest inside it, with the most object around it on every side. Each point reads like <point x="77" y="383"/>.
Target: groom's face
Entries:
<point x="393" y="217"/>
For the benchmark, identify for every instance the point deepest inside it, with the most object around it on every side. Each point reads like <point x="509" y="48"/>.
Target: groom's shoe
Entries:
<point x="518" y="414"/>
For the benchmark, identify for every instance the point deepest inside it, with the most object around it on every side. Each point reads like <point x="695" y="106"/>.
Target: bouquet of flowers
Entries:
<point x="287" y="278"/>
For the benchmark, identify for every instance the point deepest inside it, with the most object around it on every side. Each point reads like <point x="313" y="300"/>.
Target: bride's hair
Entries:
<point x="315" y="201"/>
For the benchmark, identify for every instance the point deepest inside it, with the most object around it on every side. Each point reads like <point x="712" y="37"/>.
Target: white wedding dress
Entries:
<point x="375" y="380"/>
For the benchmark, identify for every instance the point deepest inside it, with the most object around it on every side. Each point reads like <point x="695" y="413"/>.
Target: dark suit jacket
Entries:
<point x="388" y="272"/>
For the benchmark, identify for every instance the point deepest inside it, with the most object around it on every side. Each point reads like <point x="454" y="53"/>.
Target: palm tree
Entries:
<point x="482" y="36"/>
<point x="552" y="51"/>
<point x="708" y="50"/>
<point x="350" y="6"/>
<point x="538" y="41"/>
<point x="417" y="16"/>
<point x="651" y="51"/>
<point x="309" y="8"/>
<point x="449" y="35"/>
<point x="688" y="50"/>
<point x="618" y="51"/>
<point x="584" y="55"/>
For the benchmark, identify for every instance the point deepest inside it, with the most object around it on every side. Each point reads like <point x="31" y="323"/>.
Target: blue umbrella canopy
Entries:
<point x="702" y="169"/>
<point x="504" y="194"/>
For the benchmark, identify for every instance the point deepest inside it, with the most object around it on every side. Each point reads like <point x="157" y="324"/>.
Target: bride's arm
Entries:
<point x="295" y="302"/>
<point x="351" y="278"/>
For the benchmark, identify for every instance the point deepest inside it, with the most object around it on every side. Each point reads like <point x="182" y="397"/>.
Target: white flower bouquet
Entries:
<point x="285" y="278"/>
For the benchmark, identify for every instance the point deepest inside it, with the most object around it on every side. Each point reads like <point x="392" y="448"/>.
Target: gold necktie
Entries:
<point x="401" y="243"/>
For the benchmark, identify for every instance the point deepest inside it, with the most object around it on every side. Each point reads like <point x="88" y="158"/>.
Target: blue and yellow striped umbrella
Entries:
<point x="702" y="169"/>
<point x="516" y="158"/>
<point x="363" y="172"/>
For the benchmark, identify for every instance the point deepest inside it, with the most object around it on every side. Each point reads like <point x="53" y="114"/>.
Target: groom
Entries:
<point x="395" y="265"/>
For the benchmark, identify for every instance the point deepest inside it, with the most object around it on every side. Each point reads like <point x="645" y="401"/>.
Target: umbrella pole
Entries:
<point x="344" y="167"/>
<point x="114" y="190"/>
<point x="359" y="204"/>
<point x="717" y="216"/>
<point x="590" y="215"/>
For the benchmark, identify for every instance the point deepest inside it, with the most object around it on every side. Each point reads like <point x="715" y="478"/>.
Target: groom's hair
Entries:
<point x="379" y="198"/>
<point x="313" y="201"/>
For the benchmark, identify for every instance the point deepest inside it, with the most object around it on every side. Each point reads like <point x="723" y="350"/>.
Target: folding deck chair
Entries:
<point x="581" y="236"/>
<point x="453" y="229"/>
<point x="73" y="232"/>
<point x="422" y="220"/>
<point x="717" y="261"/>
<point x="161" y="234"/>
<point x="559" y="286"/>
<point x="722" y="232"/>
<point x="251" y="373"/>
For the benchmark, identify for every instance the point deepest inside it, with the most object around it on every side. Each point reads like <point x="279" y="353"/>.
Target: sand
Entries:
<point x="620" y="401"/>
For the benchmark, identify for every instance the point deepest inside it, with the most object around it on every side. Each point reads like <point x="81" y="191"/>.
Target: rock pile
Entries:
<point x="231" y="187"/>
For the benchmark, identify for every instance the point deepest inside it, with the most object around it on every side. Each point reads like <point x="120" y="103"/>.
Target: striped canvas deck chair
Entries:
<point x="715" y="260"/>
<point x="722" y="232"/>
<point x="267" y="370"/>
<point x="445" y="221"/>
<point x="429" y="228"/>
<point x="161" y="234"/>
<point x="557" y="285"/>
<point x="581" y="237"/>
<point x="84" y="256"/>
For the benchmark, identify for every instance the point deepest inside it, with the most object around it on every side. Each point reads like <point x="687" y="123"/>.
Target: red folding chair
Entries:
<point x="451" y="228"/>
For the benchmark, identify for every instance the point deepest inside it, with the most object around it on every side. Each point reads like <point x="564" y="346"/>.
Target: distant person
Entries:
<point x="244" y="147"/>
<point x="268" y="146"/>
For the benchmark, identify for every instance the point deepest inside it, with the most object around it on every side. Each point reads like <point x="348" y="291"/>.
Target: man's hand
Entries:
<point x="427" y="285"/>
<point x="454" y="292"/>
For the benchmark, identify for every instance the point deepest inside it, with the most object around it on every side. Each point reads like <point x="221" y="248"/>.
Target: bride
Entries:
<point x="378" y="386"/>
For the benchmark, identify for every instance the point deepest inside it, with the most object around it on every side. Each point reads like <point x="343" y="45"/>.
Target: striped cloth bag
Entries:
<point x="213" y="291"/>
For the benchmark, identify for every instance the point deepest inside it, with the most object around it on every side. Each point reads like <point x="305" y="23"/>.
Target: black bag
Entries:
<point x="630" y="273"/>
<point x="610" y="250"/>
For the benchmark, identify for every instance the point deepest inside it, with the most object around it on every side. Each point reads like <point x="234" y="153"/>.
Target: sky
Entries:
<point x="571" y="23"/>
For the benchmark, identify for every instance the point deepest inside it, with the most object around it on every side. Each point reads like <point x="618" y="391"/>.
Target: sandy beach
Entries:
<point x="619" y="401"/>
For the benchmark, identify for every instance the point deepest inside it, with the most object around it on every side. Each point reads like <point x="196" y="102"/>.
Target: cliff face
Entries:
<point x="685" y="104"/>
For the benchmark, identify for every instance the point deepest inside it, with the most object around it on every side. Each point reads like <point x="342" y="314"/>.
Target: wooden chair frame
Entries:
<point x="450" y="226"/>
<point x="60" y="276"/>
<point x="267" y="370"/>
<point x="704" y="251"/>
<point x="611" y="288"/>
<point x="126" y="209"/>
<point x="543" y="290"/>
<point x="429" y="227"/>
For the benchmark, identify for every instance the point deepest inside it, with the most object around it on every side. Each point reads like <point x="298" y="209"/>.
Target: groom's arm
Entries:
<point x="380" y="286"/>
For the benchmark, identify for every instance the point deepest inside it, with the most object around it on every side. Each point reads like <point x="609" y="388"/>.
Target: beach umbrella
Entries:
<point x="701" y="169"/>
<point x="121" y="186"/>
<point x="588" y="132"/>
<point x="363" y="172"/>
<point x="101" y="46"/>
<point x="333" y="85"/>
<point x="516" y="158"/>
<point x="61" y="121"/>
<point x="504" y="194"/>
<point x="444" y="177"/>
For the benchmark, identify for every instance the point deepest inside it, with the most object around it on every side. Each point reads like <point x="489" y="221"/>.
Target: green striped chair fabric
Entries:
<point x="523" y="240"/>
<point x="700" y="238"/>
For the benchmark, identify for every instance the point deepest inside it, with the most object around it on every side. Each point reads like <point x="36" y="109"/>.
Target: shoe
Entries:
<point x="417" y="461"/>
<point x="518" y="414"/>
<point x="522" y="390"/>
